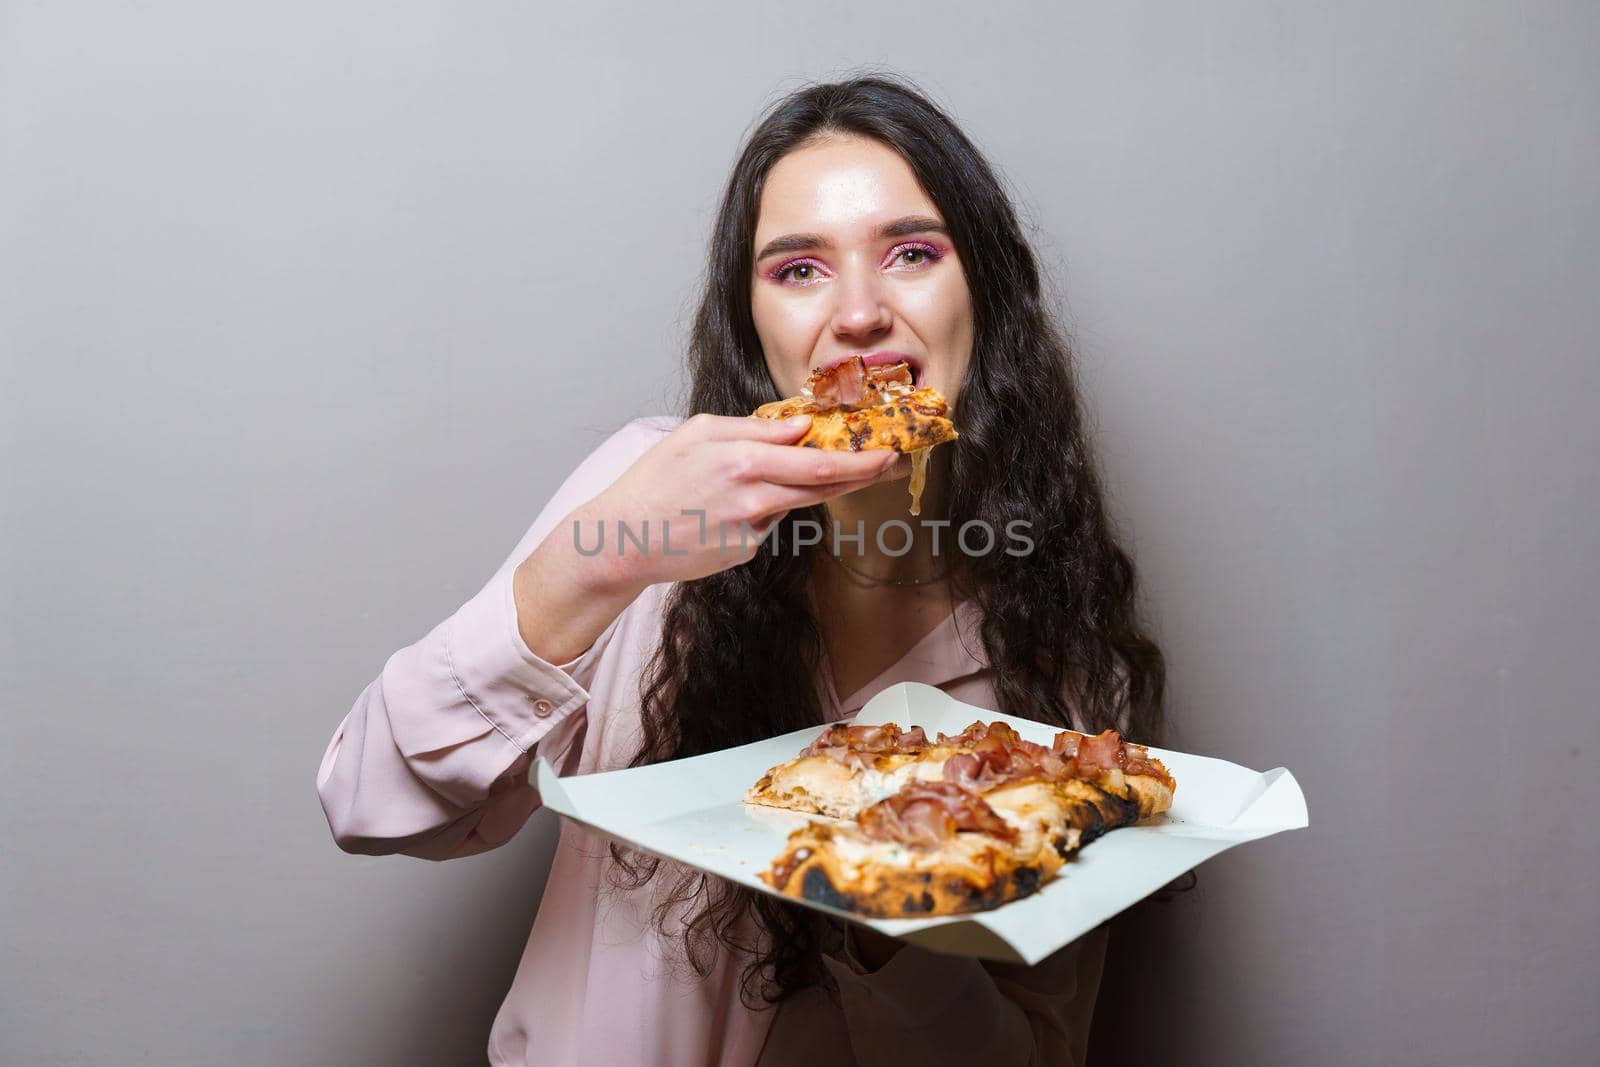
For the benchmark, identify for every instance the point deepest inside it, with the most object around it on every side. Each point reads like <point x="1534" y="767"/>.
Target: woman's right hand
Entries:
<point x="743" y="473"/>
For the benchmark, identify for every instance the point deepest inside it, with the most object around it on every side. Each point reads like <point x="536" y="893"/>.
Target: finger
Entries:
<point x="897" y="471"/>
<point x="749" y="428"/>
<point x="751" y="535"/>
<point x="768" y="521"/>
<point x="788" y="465"/>
<point x="781" y="499"/>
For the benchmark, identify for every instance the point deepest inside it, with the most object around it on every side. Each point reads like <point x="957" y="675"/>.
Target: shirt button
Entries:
<point x="543" y="708"/>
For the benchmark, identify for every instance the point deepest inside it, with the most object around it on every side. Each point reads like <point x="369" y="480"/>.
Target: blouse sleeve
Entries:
<point x="921" y="1007"/>
<point x="433" y="758"/>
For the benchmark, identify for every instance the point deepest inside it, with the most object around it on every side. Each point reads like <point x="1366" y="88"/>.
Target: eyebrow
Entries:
<point x="804" y="242"/>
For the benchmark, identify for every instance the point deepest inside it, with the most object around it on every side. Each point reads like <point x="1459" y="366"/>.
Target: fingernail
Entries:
<point x="797" y="420"/>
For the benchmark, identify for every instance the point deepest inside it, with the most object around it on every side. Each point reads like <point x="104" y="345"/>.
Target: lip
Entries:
<point x="874" y="359"/>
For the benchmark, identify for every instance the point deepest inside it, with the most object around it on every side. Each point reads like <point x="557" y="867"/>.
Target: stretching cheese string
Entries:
<point x="919" y="478"/>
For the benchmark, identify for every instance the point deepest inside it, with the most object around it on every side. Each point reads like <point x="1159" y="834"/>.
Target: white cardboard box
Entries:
<point x="692" y="811"/>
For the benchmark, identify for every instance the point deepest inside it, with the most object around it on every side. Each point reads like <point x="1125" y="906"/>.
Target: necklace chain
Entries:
<point x="873" y="579"/>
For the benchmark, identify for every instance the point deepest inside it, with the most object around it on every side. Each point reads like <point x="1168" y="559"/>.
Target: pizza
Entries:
<point x="854" y="406"/>
<point x="957" y="824"/>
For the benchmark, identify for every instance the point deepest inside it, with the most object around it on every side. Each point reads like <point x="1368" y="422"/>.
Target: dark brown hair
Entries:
<point x="740" y="651"/>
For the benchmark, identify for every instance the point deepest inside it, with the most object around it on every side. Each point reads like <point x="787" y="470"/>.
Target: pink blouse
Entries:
<point x="433" y="759"/>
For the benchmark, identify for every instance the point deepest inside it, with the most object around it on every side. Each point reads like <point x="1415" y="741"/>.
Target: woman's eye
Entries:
<point x="796" y="273"/>
<point x="916" y="256"/>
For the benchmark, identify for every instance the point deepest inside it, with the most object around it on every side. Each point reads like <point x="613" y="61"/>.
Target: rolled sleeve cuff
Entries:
<point x="522" y="695"/>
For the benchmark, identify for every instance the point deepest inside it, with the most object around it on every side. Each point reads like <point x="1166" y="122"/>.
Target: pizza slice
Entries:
<point x="854" y="406"/>
<point x="964" y="823"/>
<point x="985" y="756"/>
<point x="845" y="770"/>
<point x="850" y="767"/>
<point x="932" y="849"/>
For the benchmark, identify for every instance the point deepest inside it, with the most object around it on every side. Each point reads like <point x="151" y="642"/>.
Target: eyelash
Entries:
<point x="781" y="273"/>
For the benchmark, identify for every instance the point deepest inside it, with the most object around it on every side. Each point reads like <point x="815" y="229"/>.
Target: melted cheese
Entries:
<point x="878" y="785"/>
<point x="1028" y="806"/>
<point x="919" y="478"/>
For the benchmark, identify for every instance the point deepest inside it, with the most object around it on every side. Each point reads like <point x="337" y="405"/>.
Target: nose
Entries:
<point x="860" y="311"/>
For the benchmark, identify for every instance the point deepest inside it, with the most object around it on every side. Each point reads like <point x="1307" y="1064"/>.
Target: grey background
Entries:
<point x="306" y="308"/>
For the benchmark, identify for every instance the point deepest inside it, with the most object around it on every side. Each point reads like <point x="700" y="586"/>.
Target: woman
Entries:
<point x="858" y="221"/>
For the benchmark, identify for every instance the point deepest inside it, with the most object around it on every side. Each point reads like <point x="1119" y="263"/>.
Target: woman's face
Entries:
<point x="851" y="259"/>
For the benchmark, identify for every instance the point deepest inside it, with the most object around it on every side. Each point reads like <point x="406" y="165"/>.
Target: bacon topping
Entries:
<point x="1094" y="755"/>
<point x="1136" y="763"/>
<point x="1100" y="752"/>
<point x="993" y="753"/>
<point x="1065" y="744"/>
<point x="853" y="385"/>
<point x="851" y="745"/>
<point x="926" y="814"/>
<point x="997" y="755"/>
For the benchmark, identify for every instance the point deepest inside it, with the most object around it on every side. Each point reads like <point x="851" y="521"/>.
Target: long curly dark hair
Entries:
<point x="740" y="650"/>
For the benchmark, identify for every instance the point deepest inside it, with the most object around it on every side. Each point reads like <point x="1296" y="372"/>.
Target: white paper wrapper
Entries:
<point x="692" y="811"/>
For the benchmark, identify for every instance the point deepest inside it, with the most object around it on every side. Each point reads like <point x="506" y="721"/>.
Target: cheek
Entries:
<point x="943" y="314"/>
<point x="787" y="328"/>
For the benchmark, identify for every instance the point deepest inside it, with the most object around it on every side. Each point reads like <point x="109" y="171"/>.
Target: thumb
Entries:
<point x="779" y="431"/>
